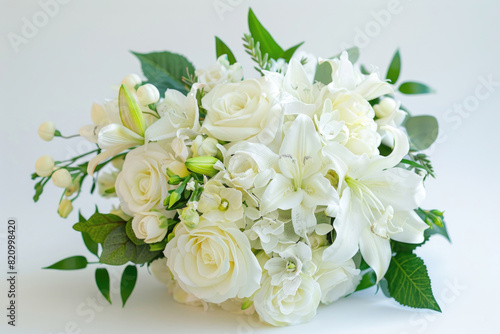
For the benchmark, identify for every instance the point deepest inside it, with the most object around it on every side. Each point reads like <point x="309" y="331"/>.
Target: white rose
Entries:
<point x="219" y="73"/>
<point x="214" y="262"/>
<point x="242" y="111"/>
<point x="142" y="183"/>
<point x="335" y="279"/>
<point x="279" y="309"/>
<point x="151" y="226"/>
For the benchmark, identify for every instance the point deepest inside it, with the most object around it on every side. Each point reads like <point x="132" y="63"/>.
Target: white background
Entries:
<point x="82" y="51"/>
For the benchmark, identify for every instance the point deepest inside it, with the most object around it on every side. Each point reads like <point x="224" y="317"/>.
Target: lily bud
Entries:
<point x="385" y="107"/>
<point x="65" y="208"/>
<point x="44" y="165"/>
<point x="62" y="178"/>
<point x="148" y="94"/>
<point x="204" y="146"/>
<point x="131" y="80"/>
<point x="47" y="130"/>
<point x="202" y="165"/>
<point x="130" y="113"/>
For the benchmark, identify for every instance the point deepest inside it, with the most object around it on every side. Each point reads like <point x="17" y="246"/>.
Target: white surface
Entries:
<point x="83" y="50"/>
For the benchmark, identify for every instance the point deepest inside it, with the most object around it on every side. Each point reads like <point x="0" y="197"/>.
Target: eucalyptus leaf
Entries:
<point x="165" y="69"/>
<point x="409" y="283"/>
<point x="70" y="263"/>
<point x="222" y="49"/>
<point x="411" y="87"/>
<point x="127" y="284"/>
<point x="422" y="131"/>
<point x="394" y="68"/>
<point x="103" y="282"/>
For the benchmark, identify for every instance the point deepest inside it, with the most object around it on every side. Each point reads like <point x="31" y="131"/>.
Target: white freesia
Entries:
<point x="377" y="204"/>
<point x="272" y="233"/>
<point x="300" y="185"/>
<point x="336" y="280"/>
<point x="214" y="262"/>
<point x="151" y="226"/>
<point x="280" y="309"/>
<point x="388" y="114"/>
<point x="142" y="183"/>
<point x="218" y="203"/>
<point x="106" y="183"/>
<point x="219" y="73"/>
<point x="242" y="111"/>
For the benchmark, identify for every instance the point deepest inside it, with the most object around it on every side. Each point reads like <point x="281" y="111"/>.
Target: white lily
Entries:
<point x="377" y="204"/>
<point x="300" y="184"/>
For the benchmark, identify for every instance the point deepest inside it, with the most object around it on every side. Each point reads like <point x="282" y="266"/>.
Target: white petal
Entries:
<point x="280" y="195"/>
<point x="105" y="155"/>
<point x="401" y="148"/>
<point x="319" y="191"/>
<point x="372" y="87"/>
<point x="115" y="134"/>
<point x="303" y="219"/>
<point x="376" y="251"/>
<point x="413" y="227"/>
<point x="161" y="129"/>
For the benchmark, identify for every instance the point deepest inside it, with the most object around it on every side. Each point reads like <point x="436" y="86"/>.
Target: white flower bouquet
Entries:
<point x="272" y="194"/>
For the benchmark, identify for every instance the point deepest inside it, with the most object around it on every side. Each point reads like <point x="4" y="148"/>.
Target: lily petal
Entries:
<point x="376" y="251"/>
<point x="303" y="219"/>
<point x="280" y="195"/>
<point x="115" y="134"/>
<point x="413" y="227"/>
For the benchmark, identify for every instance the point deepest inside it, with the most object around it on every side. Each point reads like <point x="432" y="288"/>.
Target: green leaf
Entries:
<point x="260" y="34"/>
<point x="415" y="88"/>
<point x="131" y="234"/>
<point x="158" y="246"/>
<point x="435" y="220"/>
<point x="118" y="249"/>
<point x="222" y="49"/>
<point x="127" y="284"/>
<point x="165" y="70"/>
<point x="394" y="68"/>
<point x="99" y="226"/>
<point x="288" y="54"/>
<point x="130" y="112"/>
<point x="102" y="281"/>
<point x="352" y="54"/>
<point x="91" y="245"/>
<point x="403" y="247"/>
<point x="367" y="281"/>
<point x="422" y="131"/>
<point x="384" y="286"/>
<point x="38" y="190"/>
<point x="70" y="263"/>
<point x="409" y="283"/>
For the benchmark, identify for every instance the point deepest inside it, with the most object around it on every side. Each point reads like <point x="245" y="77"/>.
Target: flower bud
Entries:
<point x="73" y="188"/>
<point x="44" y="165"/>
<point x="204" y="146"/>
<point x="131" y="80"/>
<point x="189" y="216"/>
<point x="65" y="208"/>
<point x="148" y="94"/>
<point x="385" y="107"/>
<point x="47" y="130"/>
<point x="202" y="165"/>
<point x="62" y="178"/>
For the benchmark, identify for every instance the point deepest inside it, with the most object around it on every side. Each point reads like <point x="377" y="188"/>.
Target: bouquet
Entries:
<point x="272" y="194"/>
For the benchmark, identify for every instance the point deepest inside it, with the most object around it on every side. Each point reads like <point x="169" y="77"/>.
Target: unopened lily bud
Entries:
<point x="148" y="94"/>
<point x="62" y="178"/>
<point x="204" y="146"/>
<point x="65" y="208"/>
<point x="131" y="80"/>
<point x="202" y="165"/>
<point x="44" y="165"/>
<point x="73" y="188"/>
<point x="47" y="130"/>
<point x="385" y="107"/>
<point x="189" y="216"/>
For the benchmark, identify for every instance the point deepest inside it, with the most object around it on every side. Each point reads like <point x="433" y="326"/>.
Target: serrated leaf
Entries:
<point x="409" y="283"/>
<point x="131" y="234"/>
<point x="411" y="87"/>
<point x="368" y="280"/>
<point x="394" y="68"/>
<point x="130" y="112"/>
<point x="70" y="263"/>
<point x="260" y="34"/>
<point x="127" y="284"/>
<point x="422" y="131"/>
<point x="165" y="69"/>
<point x="222" y="49"/>
<point x="103" y="282"/>
<point x="118" y="249"/>
<point x="99" y="226"/>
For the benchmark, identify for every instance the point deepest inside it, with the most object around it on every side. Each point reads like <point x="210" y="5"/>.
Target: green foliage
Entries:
<point x="222" y="49"/>
<point x="165" y="69"/>
<point x="422" y="131"/>
<point x="91" y="245"/>
<point x="411" y="87"/>
<point x="127" y="284"/>
<point x="252" y="48"/>
<point x="420" y="162"/>
<point x="131" y="234"/>
<point x="118" y="249"/>
<point x="324" y="70"/>
<point x="368" y="280"/>
<point x="70" y="263"/>
<point x="435" y="220"/>
<point x="409" y="283"/>
<point x="103" y="282"/>
<point x="99" y="226"/>
<point x="394" y="68"/>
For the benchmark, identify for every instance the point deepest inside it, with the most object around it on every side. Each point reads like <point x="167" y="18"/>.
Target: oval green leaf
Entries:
<point x="260" y="34"/>
<point x="102" y="281"/>
<point x="422" y="131"/>
<point x="222" y="49"/>
<point x="70" y="263"/>
<point x="129" y="278"/>
<point x="394" y="68"/>
<point x="411" y="87"/>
